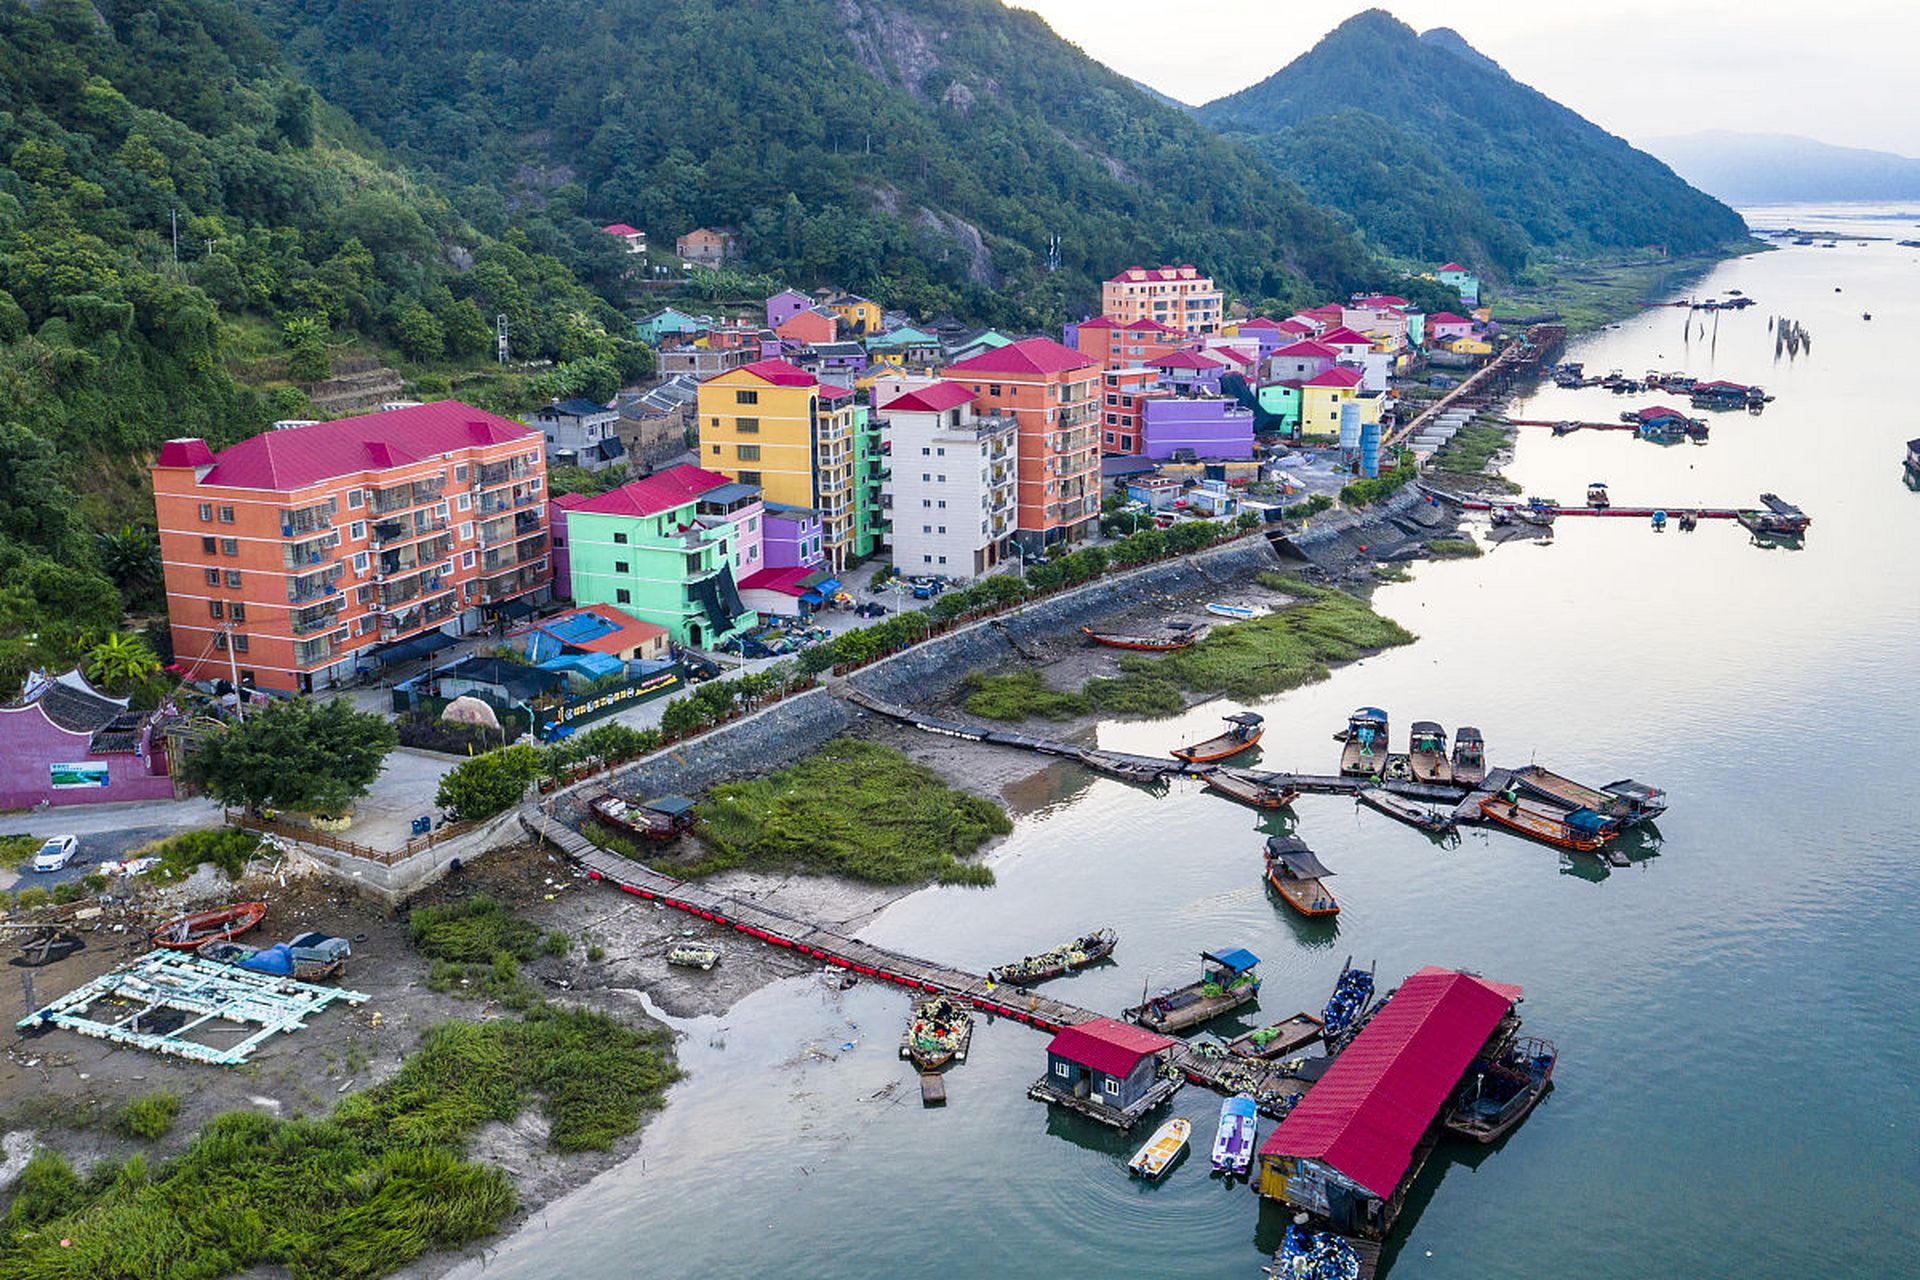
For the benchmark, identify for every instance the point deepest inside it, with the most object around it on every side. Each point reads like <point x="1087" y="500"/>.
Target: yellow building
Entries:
<point x="858" y="317"/>
<point x="773" y="424"/>
<point x="1322" y="396"/>
<point x="1465" y="346"/>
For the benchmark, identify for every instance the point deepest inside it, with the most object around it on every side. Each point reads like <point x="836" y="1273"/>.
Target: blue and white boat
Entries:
<point x="1238" y="612"/>
<point x="1233" y="1142"/>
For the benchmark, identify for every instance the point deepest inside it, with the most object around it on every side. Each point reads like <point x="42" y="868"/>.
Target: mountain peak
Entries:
<point x="1451" y="41"/>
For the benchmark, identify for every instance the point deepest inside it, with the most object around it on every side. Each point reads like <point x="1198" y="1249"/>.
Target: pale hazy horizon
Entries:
<point x="1638" y="68"/>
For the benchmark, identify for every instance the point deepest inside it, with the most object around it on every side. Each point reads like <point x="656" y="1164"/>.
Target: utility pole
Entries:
<point x="233" y="665"/>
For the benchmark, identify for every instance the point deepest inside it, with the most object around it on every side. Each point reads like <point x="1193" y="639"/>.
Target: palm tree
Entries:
<point x="131" y="558"/>
<point x="121" y="661"/>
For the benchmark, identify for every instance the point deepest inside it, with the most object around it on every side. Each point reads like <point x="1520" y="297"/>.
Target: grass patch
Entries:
<point x="1019" y="695"/>
<point x="1362" y="493"/>
<point x="1454" y="549"/>
<point x="1471" y="450"/>
<point x="149" y="1116"/>
<point x="17" y="852"/>
<point x="853" y="808"/>
<point x="227" y="848"/>
<point x="1257" y="658"/>
<point x="477" y="947"/>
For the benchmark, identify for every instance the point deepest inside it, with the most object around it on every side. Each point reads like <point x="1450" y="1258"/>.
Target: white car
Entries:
<point x="56" y="853"/>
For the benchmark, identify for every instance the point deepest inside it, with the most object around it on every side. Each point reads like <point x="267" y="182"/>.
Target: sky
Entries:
<point x="1837" y="70"/>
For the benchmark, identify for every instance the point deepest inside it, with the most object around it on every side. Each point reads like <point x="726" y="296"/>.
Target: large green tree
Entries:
<point x="297" y="754"/>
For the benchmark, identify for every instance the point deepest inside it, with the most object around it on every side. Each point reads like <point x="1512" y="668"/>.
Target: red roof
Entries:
<point x="1186" y="360"/>
<point x="830" y="391"/>
<point x="1657" y="412"/>
<point x="650" y="495"/>
<point x="1100" y="322"/>
<point x="1029" y="355"/>
<point x="786" y="581"/>
<point x="1260" y="322"/>
<point x="778" y="372"/>
<point x="1447" y="317"/>
<point x="1345" y="337"/>
<point x="301" y="456"/>
<point x="1330" y="311"/>
<point x="1338" y="376"/>
<point x="1135" y="275"/>
<point x="1109" y="1047"/>
<point x="1293" y="326"/>
<point x="1453" y="266"/>
<point x="1308" y="350"/>
<point x="1231" y="353"/>
<point x="1150" y="325"/>
<point x="1367" y="1113"/>
<point x="937" y="398"/>
<point x="621" y="229"/>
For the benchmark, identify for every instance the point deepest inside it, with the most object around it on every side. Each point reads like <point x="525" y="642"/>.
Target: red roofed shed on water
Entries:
<point x="936" y="397"/>
<point x="1367" y="1114"/>
<point x="1111" y="1047"/>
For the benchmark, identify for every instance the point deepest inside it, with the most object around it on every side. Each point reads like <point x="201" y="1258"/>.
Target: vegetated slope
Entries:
<point x="120" y="121"/>
<point x="924" y="153"/>
<point x="1374" y="107"/>
<point x="1781" y="168"/>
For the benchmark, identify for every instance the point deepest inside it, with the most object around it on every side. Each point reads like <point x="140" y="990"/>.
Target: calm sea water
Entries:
<point x="1735" y="1012"/>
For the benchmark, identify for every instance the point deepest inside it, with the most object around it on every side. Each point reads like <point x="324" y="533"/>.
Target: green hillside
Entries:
<point x="1438" y="153"/>
<point x="923" y="153"/>
<point x="297" y="246"/>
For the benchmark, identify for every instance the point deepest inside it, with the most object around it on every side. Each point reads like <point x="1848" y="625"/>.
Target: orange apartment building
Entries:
<point x="1114" y="344"/>
<point x="290" y="556"/>
<point x="1123" y="397"/>
<point x="1179" y="297"/>
<point x="1051" y="392"/>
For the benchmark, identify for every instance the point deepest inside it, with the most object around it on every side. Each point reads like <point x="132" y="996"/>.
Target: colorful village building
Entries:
<point x="795" y="537"/>
<point x="65" y="742"/>
<point x="632" y="239"/>
<point x="858" y="316"/>
<point x="669" y="323"/>
<point x="773" y="424"/>
<point x="580" y="433"/>
<point x="952" y="484"/>
<point x="1106" y="1070"/>
<point x="1461" y="280"/>
<point x="1116" y="344"/>
<point x="291" y="556"/>
<point x="647" y="550"/>
<point x="1189" y="372"/>
<point x="705" y="246"/>
<point x="1301" y="360"/>
<point x="1123" y="395"/>
<point x="785" y="305"/>
<point x="1051" y="393"/>
<point x="1195" y="427"/>
<point x="814" y="326"/>
<point x="1179" y="297"/>
<point x="592" y="628"/>
<point x="1443" y="326"/>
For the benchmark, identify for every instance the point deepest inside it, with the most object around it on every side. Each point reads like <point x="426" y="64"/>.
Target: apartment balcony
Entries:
<point x="499" y="473"/>
<point x="313" y="653"/>
<point x="517" y="553"/>
<point x="402" y="497"/>
<point x="509" y="585"/>
<point x="313" y="587"/>
<point x="388" y="534"/>
<point x="304" y="622"/>
<point x="301" y="522"/>
<point x="525" y="524"/>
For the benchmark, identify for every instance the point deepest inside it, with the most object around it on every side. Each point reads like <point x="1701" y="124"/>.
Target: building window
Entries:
<point x="926" y="504"/>
<point x="1109" y="434"/>
<point x="238" y="612"/>
<point x="993" y="389"/>
<point x="941" y="452"/>
<point x="943" y="504"/>
<point x="213" y="577"/>
<point x="355" y="498"/>
<point x="621" y="566"/>
<point x="220" y="641"/>
<point x="926" y="528"/>
<point x="716" y="448"/>
<point x="943" y="479"/>
<point x="622" y="596"/>
<point x="466" y="559"/>
<point x="620" y="538"/>
<point x="466" y="531"/>
<point x="943" y="528"/>
<point x="357" y="530"/>
<point x="747" y="452"/>
<point x="363" y="594"/>
<point x="1112" y="1087"/>
<point x="1060" y="1069"/>
<point x="463" y="501"/>
<point x="747" y="426"/>
<point x="746" y="397"/>
<point x="943" y="559"/>
<point x="206" y="511"/>
<point x="233" y="577"/>
<point x="460" y="474"/>
<point x="209" y="545"/>
<point x="749" y="477"/>
<point x="360" y="562"/>
<point x="216" y="609"/>
<point x="239" y="643"/>
<point x="226" y="515"/>
<point x="229" y="547"/>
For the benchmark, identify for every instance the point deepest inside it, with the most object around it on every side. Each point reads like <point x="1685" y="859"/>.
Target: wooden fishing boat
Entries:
<point x="1427" y="753"/>
<point x="1144" y="644"/>
<point x="656" y="820"/>
<point x="1424" y="817"/>
<point x="197" y="928"/>
<point x="1497" y="1095"/>
<point x="1227" y="981"/>
<point x="938" y="1033"/>
<point x="1779" y="519"/>
<point x="1237" y="612"/>
<point x="1580" y="829"/>
<point x="1162" y="1149"/>
<point x="1299" y="877"/>
<point x="1245" y="729"/>
<point x="1082" y="951"/>
<point x="1279" y="1039"/>
<point x="1233" y="1141"/>
<point x="1249" y="790"/>
<point x="1366" y="749"/>
<point x="1469" y="757"/>
<point x="1624" y="801"/>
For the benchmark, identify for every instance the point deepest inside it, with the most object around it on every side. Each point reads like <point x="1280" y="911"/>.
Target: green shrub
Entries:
<point x="1360" y="493"/>
<point x="1454" y="548"/>
<point x="227" y="848"/>
<point x="489" y="783"/>
<point x="475" y="928"/>
<point x="556" y="943"/>
<point x="149" y="1116"/>
<point x="32" y="899"/>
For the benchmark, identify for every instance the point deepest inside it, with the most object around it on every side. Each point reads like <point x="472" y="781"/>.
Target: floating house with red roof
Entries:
<point x="296" y="555"/>
<point x="1107" y="1070"/>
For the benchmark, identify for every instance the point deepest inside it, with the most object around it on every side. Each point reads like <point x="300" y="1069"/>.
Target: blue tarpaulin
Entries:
<point x="1239" y="960"/>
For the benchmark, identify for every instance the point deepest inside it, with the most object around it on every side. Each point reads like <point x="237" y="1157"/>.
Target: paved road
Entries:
<point x="95" y="847"/>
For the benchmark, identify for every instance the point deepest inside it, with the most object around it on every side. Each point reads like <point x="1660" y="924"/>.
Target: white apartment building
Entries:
<point x="952" y="484"/>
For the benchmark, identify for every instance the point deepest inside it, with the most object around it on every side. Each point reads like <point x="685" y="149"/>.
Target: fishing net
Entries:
<point x="1316" y="1255"/>
<point x="1348" y="1001"/>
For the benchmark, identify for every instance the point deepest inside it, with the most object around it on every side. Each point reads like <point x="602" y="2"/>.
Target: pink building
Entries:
<point x="65" y="742"/>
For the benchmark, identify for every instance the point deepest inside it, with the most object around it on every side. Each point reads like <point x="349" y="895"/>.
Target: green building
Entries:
<point x="647" y="550"/>
<point x="870" y="523"/>
<point x="1279" y="409"/>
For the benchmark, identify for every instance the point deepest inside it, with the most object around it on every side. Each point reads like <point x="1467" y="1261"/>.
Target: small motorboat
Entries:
<point x="1580" y="829"/>
<point x="194" y="930"/>
<point x="656" y="820"/>
<point x="1238" y="612"/>
<point x="1597" y="495"/>
<point x="1233" y="1141"/>
<point x="1279" y="1039"/>
<point x="938" y="1033"/>
<point x="1427" y="753"/>
<point x="1145" y="644"/>
<point x="1425" y="818"/>
<point x="694" y="955"/>
<point x="1315" y="1254"/>
<point x="1228" y="979"/>
<point x="1249" y="790"/>
<point x="1299" y="877"/>
<point x="1366" y="751"/>
<point x="1162" y="1149"/>
<point x="1469" y="756"/>
<point x="1245" y="729"/>
<point x="1346" y="1008"/>
<point x="1082" y="951"/>
<point x="1497" y="1095"/>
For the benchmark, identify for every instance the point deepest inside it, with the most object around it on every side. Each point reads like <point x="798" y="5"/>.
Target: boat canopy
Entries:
<point x="1239" y="1105"/>
<point x="671" y="806"/>
<point x="1467" y="733"/>
<point x="1628" y="789"/>
<point x="1237" y="960"/>
<point x="1246" y="719"/>
<point x="1368" y="715"/>
<point x="1301" y="863"/>
<point x="1587" y="822"/>
<point x="1427" y="728"/>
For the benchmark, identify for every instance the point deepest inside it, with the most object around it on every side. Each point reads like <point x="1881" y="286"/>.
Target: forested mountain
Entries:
<point x="122" y="119"/>
<point x="1436" y="152"/>
<point x="922" y="151"/>
<point x="1780" y="168"/>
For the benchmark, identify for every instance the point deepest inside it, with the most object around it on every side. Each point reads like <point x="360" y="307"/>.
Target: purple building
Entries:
<point x="785" y="305"/>
<point x="67" y="743"/>
<point x="837" y="362"/>
<point x="1189" y="372"/>
<point x="793" y="537"/>
<point x="1215" y="429"/>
